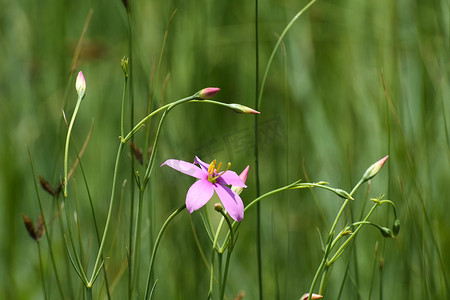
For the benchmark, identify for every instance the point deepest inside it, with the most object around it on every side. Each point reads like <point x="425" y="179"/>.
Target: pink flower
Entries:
<point x="374" y="169"/>
<point x="242" y="109"/>
<point x="80" y="85"/>
<point x="210" y="180"/>
<point x="243" y="176"/>
<point x="207" y="93"/>
<point x="313" y="296"/>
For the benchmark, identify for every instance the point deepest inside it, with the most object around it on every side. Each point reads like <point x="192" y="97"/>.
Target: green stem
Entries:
<point x="79" y="266"/>
<point x="134" y="251"/>
<point x="47" y="235"/>
<point x="108" y="293"/>
<point x="275" y="49"/>
<point x="227" y="261"/>
<point x="123" y="106"/>
<point x="148" y="117"/>
<point x="66" y="150"/>
<point x="330" y="239"/>
<point x="155" y="247"/>
<point x="41" y="269"/>
<point x="353" y="235"/>
<point x="108" y="218"/>
<point x="88" y="291"/>
<point x="214" y="249"/>
<point x="236" y="224"/>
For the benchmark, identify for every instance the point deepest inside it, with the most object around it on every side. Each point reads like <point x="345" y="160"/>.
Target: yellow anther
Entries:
<point x="228" y="167"/>
<point x="212" y="170"/>
<point x="218" y="167"/>
<point x="211" y="167"/>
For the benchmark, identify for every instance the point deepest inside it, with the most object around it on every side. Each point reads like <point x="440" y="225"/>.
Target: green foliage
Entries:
<point x="353" y="82"/>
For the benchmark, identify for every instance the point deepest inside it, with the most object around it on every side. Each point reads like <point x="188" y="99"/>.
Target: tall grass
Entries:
<point x="357" y="80"/>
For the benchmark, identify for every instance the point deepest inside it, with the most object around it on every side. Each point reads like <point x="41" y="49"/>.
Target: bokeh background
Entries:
<point x="326" y="114"/>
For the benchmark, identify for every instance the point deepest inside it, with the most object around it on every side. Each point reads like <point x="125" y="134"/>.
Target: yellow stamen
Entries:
<point x="212" y="169"/>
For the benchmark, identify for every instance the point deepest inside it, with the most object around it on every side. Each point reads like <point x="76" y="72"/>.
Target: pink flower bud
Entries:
<point x="313" y="296"/>
<point x="80" y="85"/>
<point x="207" y="93"/>
<point x="374" y="169"/>
<point x="241" y="109"/>
<point x="243" y="177"/>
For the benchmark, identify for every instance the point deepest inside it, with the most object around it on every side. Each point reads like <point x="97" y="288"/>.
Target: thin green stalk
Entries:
<point x="155" y="247"/>
<point x="66" y="149"/>
<point x="108" y="218"/>
<point x="214" y="249"/>
<point x="93" y="218"/>
<point x="235" y="224"/>
<point x="77" y="223"/>
<point x="330" y="235"/>
<point x="132" y="191"/>
<point x="122" y="112"/>
<point x="219" y="263"/>
<point x="258" y="99"/>
<point x="352" y="236"/>
<point x="79" y="265"/>
<point x="41" y="269"/>
<point x="275" y="49"/>
<point x="148" y="117"/>
<point x="88" y="294"/>
<point x="47" y="235"/>
<point x="134" y="255"/>
<point x="227" y="260"/>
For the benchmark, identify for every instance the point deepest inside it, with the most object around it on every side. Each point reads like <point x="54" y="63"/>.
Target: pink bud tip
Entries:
<point x="243" y="177"/>
<point x="375" y="168"/>
<point x="208" y="93"/>
<point x="80" y="85"/>
<point x="244" y="174"/>
<point x="242" y="109"/>
<point x="313" y="296"/>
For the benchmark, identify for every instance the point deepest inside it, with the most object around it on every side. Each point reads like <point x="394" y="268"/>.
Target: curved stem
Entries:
<point x="148" y="117"/>
<point x="330" y="239"/>
<point x="277" y="45"/>
<point x="66" y="149"/>
<point x="155" y="247"/>
<point x="108" y="219"/>
<point x="344" y="245"/>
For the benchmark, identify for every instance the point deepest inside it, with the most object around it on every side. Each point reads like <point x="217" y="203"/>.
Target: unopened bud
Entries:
<point x="218" y="207"/>
<point x="313" y="296"/>
<point x="124" y="64"/>
<point x="243" y="176"/>
<point x="374" y="169"/>
<point x="342" y="194"/>
<point x="207" y="93"/>
<point x="386" y="232"/>
<point x="396" y="227"/>
<point x="242" y="109"/>
<point x="80" y="85"/>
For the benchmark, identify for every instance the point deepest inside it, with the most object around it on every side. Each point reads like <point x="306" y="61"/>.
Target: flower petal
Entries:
<point x="202" y="164"/>
<point x="231" y="201"/>
<point x="199" y="194"/>
<point x="231" y="178"/>
<point x="186" y="168"/>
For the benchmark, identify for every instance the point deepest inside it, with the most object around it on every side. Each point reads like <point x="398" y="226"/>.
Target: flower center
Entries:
<point x="214" y="173"/>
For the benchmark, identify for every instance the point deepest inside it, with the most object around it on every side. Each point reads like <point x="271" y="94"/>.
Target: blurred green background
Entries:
<point x="324" y="116"/>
